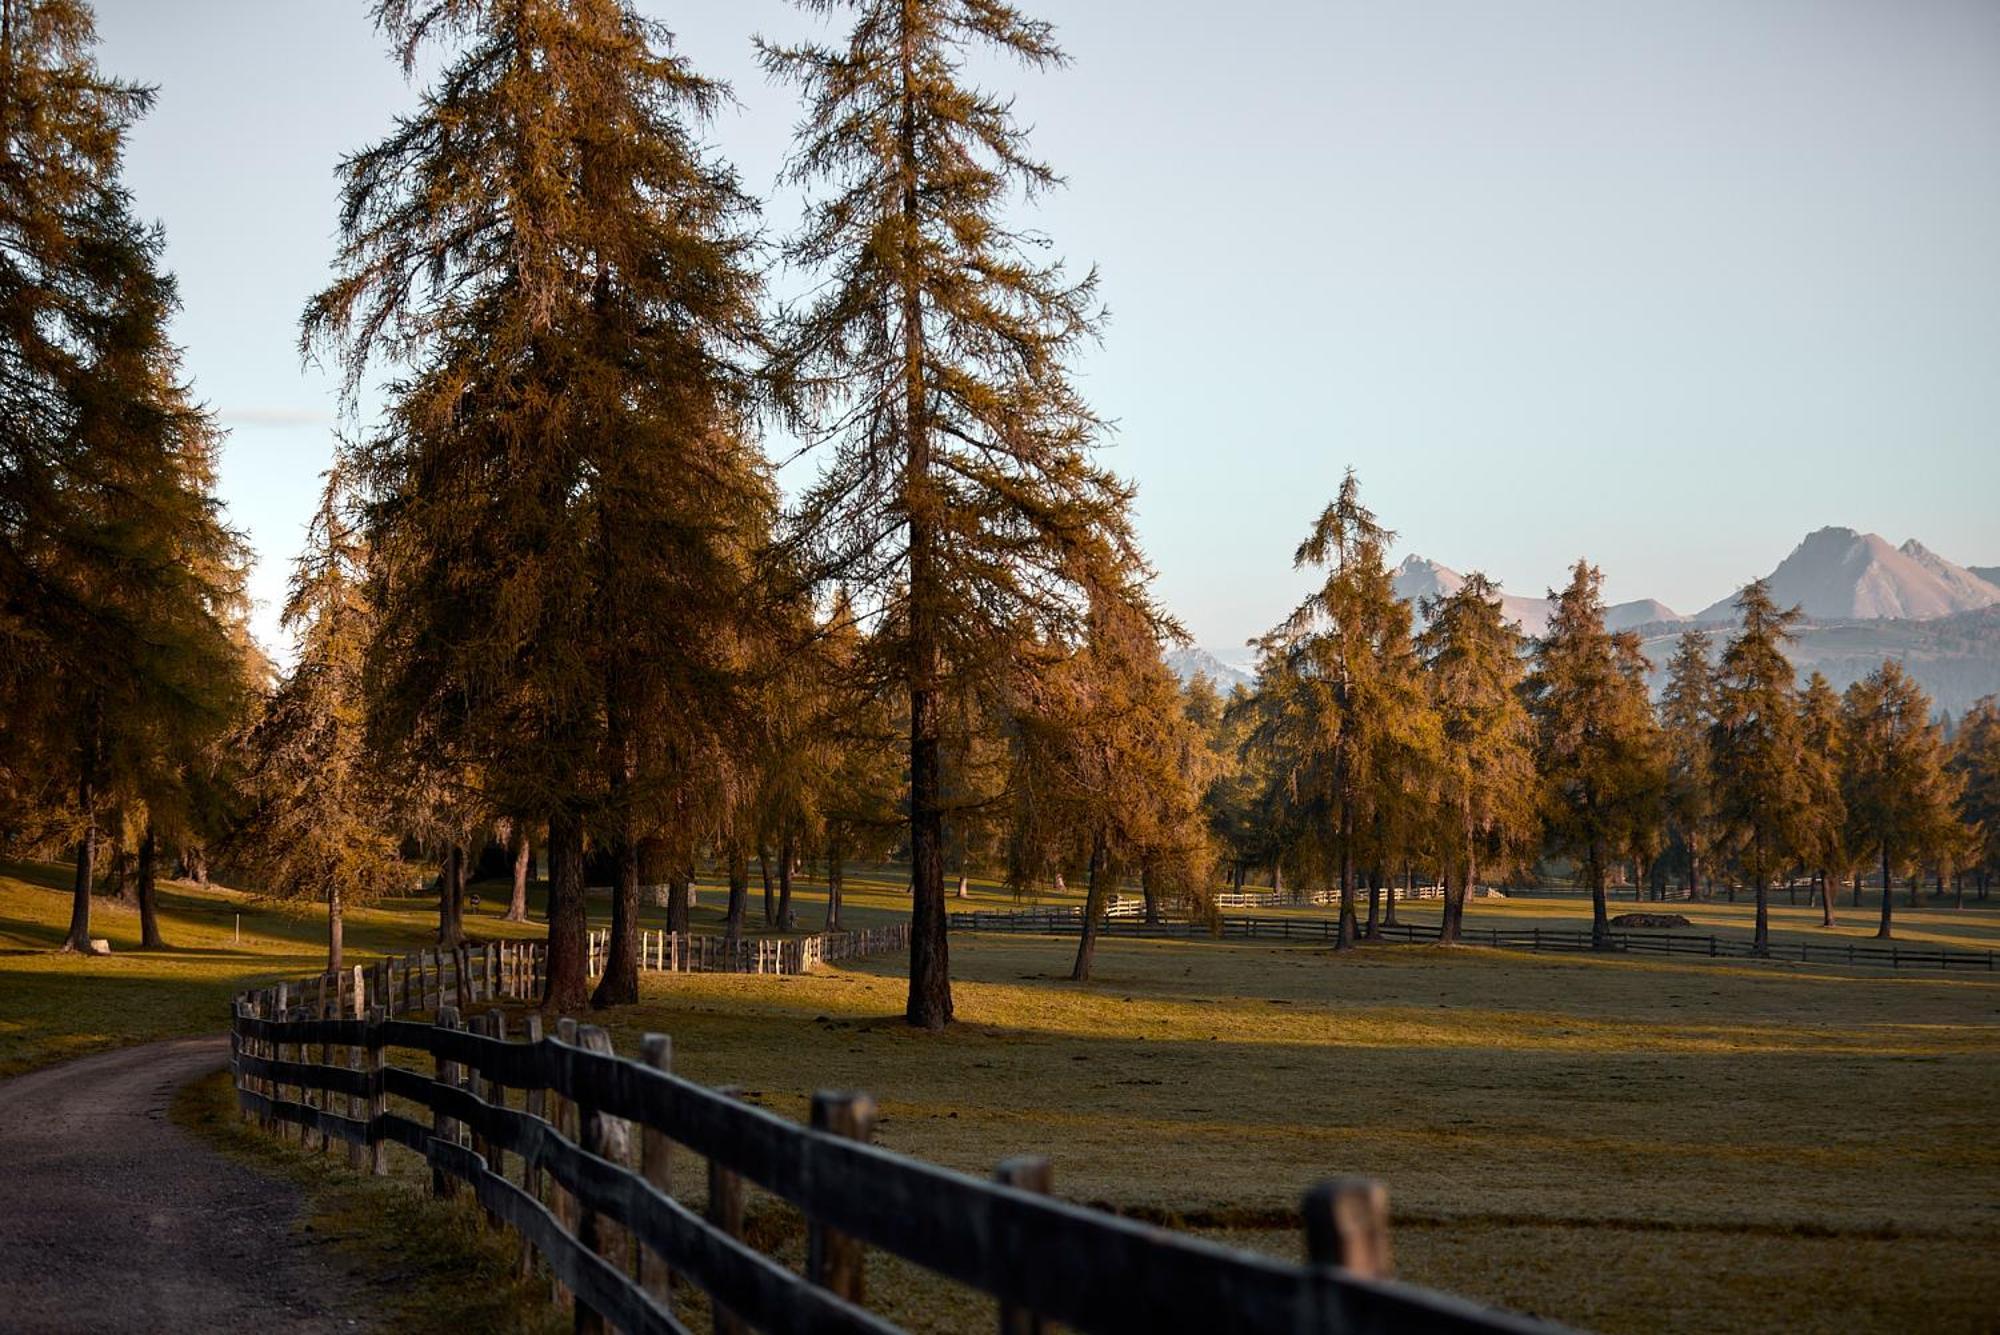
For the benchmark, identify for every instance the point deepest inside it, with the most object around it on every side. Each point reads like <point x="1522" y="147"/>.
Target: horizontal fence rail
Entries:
<point x="1272" y="899"/>
<point x="1055" y="922"/>
<point x="569" y="1145"/>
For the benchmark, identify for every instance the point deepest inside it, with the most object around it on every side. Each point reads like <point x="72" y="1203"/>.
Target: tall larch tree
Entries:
<point x="1763" y="794"/>
<point x="321" y="822"/>
<point x="1597" y="748"/>
<point x="960" y="499"/>
<point x="1901" y="795"/>
<point x="1486" y="808"/>
<point x="562" y="492"/>
<point x="1975" y="759"/>
<point x="1687" y="720"/>
<point x="1824" y="848"/>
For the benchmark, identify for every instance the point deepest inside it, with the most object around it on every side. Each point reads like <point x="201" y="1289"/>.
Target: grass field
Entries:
<point x="1622" y="1144"/>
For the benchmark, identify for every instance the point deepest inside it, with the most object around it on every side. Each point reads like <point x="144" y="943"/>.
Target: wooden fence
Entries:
<point x="672" y="952"/>
<point x="1327" y="930"/>
<point x="571" y="1146"/>
<point x="1271" y="899"/>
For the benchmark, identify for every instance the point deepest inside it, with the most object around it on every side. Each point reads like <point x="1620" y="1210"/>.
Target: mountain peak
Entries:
<point x="1837" y="573"/>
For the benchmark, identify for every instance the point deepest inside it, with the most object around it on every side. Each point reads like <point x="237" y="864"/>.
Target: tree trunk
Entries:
<point x="787" y="850"/>
<point x="1958" y="886"/>
<point x="1854" y="881"/>
<point x="929" y="1003"/>
<point x="86" y="845"/>
<point x="1151" y="894"/>
<point x="1093" y="909"/>
<point x="1826" y="900"/>
<point x="524" y="864"/>
<point x="568" y="984"/>
<point x="451" y="898"/>
<point x="1885" y="932"/>
<point x="739" y="892"/>
<point x="336" y="927"/>
<point x="677" y="904"/>
<point x="1448" y="915"/>
<point x="1389" y="906"/>
<point x="770" y="892"/>
<point x="1373" y="932"/>
<point x="1761" y="943"/>
<point x="835" y="872"/>
<point x="1600" y="915"/>
<point x="119" y="885"/>
<point x="1345" y="941"/>
<point x="149" y="891"/>
<point x="619" y="984"/>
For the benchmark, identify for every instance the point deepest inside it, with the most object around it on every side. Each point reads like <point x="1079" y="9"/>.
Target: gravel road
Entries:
<point x="114" y="1219"/>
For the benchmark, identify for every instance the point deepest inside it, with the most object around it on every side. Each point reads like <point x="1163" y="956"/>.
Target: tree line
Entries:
<point x="552" y="598"/>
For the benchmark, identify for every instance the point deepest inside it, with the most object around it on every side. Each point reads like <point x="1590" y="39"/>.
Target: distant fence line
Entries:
<point x="1271" y="899"/>
<point x="1327" y="930"/>
<point x="703" y="952"/>
<point x="591" y="1193"/>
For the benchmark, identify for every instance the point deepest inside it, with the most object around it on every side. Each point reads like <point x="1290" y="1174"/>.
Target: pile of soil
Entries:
<point x="1650" y="920"/>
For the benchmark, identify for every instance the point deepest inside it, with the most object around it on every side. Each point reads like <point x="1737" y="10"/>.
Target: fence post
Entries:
<point x="442" y="1127"/>
<point x="378" y="1097"/>
<point x="656" y="1164"/>
<point x="833" y="1260"/>
<point x="357" y="1152"/>
<point x="562" y="1117"/>
<point x="596" y="1135"/>
<point x="280" y="1010"/>
<point x="1024" y="1172"/>
<point x="532" y="1103"/>
<point x="1347" y="1225"/>
<point x="725" y="1211"/>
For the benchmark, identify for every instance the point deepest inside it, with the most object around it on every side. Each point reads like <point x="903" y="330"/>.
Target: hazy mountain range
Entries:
<point x="1862" y="600"/>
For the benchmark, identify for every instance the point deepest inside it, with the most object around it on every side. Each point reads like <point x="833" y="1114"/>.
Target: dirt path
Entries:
<point x="114" y="1219"/>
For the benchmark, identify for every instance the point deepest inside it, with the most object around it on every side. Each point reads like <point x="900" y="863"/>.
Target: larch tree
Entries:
<point x="1486" y="810"/>
<point x="1343" y="715"/>
<point x="1687" y="722"/>
<point x="1597" y="748"/>
<point x="1901" y="794"/>
<point x="960" y="499"/>
<point x="1763" y="793"/>
<point x="121" y="603"/>
<point x="562" y="497"/>
<point x="1975" y="759"/>
<point x="1824" y="848"/>
<point x="320" y="823"/>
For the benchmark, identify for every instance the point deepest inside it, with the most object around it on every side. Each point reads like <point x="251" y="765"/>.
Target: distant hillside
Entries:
<point x="1956" y="659"/>
<point x="1838" y="574"/>
<point x="1991" y="574"/>
<point x="1194" y="661"/>
<point x="1419" y="577"/>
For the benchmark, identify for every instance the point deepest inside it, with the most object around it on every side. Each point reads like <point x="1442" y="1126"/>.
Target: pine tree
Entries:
<point x="1597" y="748"/>
<point x="1824" y="758"/>
<point x="960" y="494"/>
<point x="321" y="823"/>
<point x="1485" y="770"/>
<point x="1899" y="790"/>
<point x="564" y="507"/>
<point x="1762" y="792"/>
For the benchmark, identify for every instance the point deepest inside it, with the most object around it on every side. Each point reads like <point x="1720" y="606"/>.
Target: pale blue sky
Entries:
<point x="1663" y="284"/>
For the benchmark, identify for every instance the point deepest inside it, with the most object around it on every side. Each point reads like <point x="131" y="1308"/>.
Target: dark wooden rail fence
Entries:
<point x="571" y="1146"/>
<point x="1057" y="922"/>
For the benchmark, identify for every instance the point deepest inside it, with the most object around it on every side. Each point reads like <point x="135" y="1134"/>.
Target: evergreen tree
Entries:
<point x="1485" y="772"/>
<point x="1900" y="792"/>
<point x="321" y="824"/>
<point x="564" y="507"/>
<point x="1687" y="721"/>
<point x="960" y="493"/>
<point x="1824" y="848"/>
<point x="1597" y="748"/>
<point x="1762" y="790"/>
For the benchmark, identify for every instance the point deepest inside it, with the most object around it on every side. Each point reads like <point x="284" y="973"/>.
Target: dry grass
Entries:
<point x="1629" y="1145"/>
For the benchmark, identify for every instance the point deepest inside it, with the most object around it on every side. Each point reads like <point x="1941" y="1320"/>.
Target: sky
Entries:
<point x="1664" y="285"/>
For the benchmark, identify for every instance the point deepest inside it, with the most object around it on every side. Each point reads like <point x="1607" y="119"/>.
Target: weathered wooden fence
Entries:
<point x="542" y="1127"/>
<point x="1326" y="930"/>
<point x="674" y="952"/>
<point x="1271" y="899"/>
